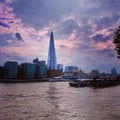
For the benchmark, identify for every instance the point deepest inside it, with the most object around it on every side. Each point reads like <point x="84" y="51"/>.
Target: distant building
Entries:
<point x="42" y="62"/>
<point x="54" y="73"/>
<point x="70" y="68"/>
<point x="113" y="71"/>
<point x="36" y="60"/>
<point x="52" y="61"/>
<point x="103" y="74"/>
<point x="27" y="70"/>
<point x="60" y="67"/>
<point x="84" y="75"/>
<point x="40" y="68"/>
<point x="10" y="69"/>
<point x="95" y="73"/>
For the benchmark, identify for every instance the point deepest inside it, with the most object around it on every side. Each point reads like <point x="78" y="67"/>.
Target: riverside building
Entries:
<point x="26" y="70"/>
<point x="40" y="68"/>
<point x="10" y="69"/>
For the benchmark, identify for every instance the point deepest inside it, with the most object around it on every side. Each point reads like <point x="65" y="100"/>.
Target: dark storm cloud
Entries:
<point x="18" y="36"/>
<point x="4" y="25"/>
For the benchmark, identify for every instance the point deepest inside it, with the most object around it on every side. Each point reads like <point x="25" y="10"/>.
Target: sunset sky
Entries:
<point x="83" y="31"/>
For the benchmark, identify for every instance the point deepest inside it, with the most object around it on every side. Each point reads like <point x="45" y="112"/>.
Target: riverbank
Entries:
<point x="100" y="83"/>
<point x="22" y="80"/>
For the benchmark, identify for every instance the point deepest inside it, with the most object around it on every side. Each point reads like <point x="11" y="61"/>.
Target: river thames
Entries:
<point x="58" y="101"/>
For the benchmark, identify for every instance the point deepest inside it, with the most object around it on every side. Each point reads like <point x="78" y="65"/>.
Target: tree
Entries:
<point x="116" y="41"/>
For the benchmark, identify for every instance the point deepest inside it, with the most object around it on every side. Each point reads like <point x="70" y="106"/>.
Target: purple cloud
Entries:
<point x="82" y="27"/>
<point x="99" y="37"/>
<point x="4" y="25"/>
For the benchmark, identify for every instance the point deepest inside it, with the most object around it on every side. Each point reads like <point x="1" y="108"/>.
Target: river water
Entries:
<point x="58" y="101"/>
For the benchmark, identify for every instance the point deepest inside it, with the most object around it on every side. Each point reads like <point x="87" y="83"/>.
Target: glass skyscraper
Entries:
<point x="52" y="62"/>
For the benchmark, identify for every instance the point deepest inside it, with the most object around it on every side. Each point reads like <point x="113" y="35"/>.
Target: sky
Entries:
<point x="83" y="32"/>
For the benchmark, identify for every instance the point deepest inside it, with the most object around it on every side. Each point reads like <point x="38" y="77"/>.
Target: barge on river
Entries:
<point x="101" y="82"/>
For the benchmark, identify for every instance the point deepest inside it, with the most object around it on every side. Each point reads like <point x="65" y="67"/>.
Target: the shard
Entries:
<point x="52" y="62"/>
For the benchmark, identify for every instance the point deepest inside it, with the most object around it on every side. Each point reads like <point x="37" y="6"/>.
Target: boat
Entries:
<point x="75" y="82"/>
<point x="80" y="82"/>
<point x="56" y="79"/>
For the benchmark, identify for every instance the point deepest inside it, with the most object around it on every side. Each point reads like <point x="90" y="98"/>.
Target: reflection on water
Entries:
<point x="58" y="101"/>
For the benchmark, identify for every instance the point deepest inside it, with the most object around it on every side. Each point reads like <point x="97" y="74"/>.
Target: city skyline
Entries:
<point x="83" y="32"/>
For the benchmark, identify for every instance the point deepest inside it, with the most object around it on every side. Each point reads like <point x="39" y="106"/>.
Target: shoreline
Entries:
<point x="22" y="80"/>
<point x="95" y="84"/>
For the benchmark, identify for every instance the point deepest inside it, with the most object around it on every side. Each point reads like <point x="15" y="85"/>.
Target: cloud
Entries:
<point x="4" y="57"/>
<point x="7" y="57"/>
<point x="42" y="12"/>
<point x="97" y="38"/>
<point x="5" y="39"/>
<point x="4" y="25"/>
<point x="83" y="30"/>
<point x="111" y="55"/>
<point x="18" y="36"/>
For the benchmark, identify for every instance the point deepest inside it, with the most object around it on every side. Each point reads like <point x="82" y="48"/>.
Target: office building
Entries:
<point x="41" y="62"/>
<point x="10" y="69"/>
<point x="52" y="62"/>
<point x="42" y="71"/>
<point x="71" y="68"/>
<point x="27" y="71"/>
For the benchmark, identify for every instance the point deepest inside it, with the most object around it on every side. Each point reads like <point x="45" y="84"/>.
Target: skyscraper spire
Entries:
<point x="52" y="62"/>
